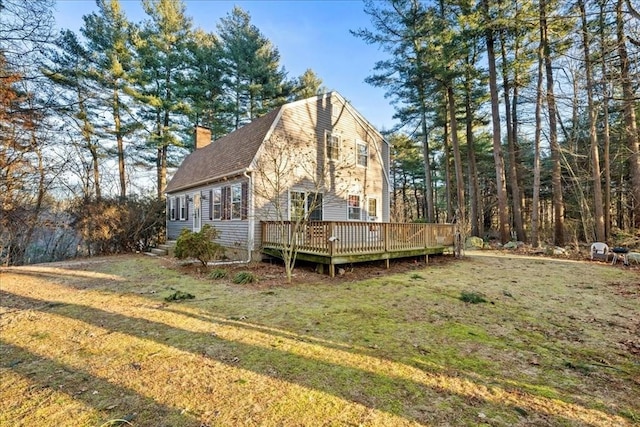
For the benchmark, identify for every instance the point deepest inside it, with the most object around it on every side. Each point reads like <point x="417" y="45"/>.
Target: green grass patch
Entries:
<point x="97" y="342"/>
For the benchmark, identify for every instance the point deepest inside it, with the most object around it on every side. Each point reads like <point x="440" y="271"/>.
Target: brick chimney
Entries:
<point x="202" y="136"/>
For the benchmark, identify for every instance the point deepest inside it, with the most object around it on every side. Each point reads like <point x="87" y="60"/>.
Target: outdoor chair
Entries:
<point x="600" y="251"/>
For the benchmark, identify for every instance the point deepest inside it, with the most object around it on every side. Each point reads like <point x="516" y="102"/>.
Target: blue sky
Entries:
<point x="308" y="34"/>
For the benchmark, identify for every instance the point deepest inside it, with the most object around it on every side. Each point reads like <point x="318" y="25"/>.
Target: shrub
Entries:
<point x="472" y="297"/>
<point x="179" y="296"/>
<point x="243" y="278"/>
<point x="218" y="273"/>
<point x="109" y="226"/>
<point x="199" y="245"/>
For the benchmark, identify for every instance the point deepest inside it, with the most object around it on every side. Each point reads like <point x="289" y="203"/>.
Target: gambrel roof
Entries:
<point x="234" y="153"/>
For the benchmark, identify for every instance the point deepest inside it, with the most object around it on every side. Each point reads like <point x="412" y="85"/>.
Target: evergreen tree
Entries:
<point x="79" y="105"/>
<point x="405" y="32"/>
<point x="108" y="41"/>
<point x="204" y="86"/>
<point x="162" y="68"/>
<point x="308" y="85"/>
<point x="254" y="80"/>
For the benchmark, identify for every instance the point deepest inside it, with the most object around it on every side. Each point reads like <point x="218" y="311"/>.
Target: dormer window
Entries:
<point x="332" y="146"/>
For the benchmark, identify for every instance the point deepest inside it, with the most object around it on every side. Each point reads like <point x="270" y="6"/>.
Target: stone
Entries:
<point x="633" y="257"/>
<point x="510" y="245"/>
<point x="474" y="242"/>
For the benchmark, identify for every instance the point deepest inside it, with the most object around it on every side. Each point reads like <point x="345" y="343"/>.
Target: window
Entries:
<point x="314" y="206"/>
<point x="353" y="208"/>
<point x="362" y="153"/>
<point x="305" y="206"/>
<point x="230" y="202"/>
<point x="182" y="207"/>
<point x="297" y="208"/>
<point x="372" y="210"/>
<point x="236" y="201"/>
<point x="332" y="146"/>
<point x="216" y="204"/>
<point x="172" y="208"/>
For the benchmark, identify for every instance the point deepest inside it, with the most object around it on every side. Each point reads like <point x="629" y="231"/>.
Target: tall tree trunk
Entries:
<point x="513" y="166"/>
<point x="535" y="202"/>
<point x="630" y="124"/>
<point x="474" y="190"/>
<point x="426" y="152"/>
<point x="119" y="142"/>
<point x="556" y="171"/>
<point x="593" y="135"/>
<point x="93" y="149"/>
<point x="457" y="159"/>
<point x="87" y="133"/>
<point x="605" y="130"/>
<point x="501" y="189"/>
<point x="447" y="168"/>
<point x="516" y="150"/>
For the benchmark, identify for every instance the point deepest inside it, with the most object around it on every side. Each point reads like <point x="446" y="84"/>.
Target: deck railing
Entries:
<point x="350" y="237"/>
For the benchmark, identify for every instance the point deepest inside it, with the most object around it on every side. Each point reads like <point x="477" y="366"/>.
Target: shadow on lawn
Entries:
<point x="112" y="401"/>
<point x="405" y="397"/>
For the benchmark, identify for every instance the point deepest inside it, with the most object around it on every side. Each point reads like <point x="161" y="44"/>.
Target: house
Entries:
<point x="316" y="156"/>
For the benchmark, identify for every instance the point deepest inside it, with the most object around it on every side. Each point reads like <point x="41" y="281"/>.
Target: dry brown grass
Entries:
<point x="88" y="342"/>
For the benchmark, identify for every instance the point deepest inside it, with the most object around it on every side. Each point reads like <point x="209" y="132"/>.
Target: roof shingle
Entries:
<point x="231" y="153"/>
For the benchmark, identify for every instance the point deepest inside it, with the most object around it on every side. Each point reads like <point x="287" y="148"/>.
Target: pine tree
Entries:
<point x="254" y="80"/>
<point x="204" y="85"/>
<point x="405" y="32"/>
<point x="108" y="42"/>
<point x="79" y="105"/>
<point x="308" y="85"/>
<point x="162" y="66"/>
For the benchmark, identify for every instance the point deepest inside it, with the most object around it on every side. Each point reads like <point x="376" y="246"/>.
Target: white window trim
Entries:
<point x="235" y="187"/>
<point x="327" y="136"/>
<point x="375" y="215"/>
<point x="215" y="191"/>
<point x="366" y="146"/>
<point x="305" y="197"/>
<point x="349" y="207"/>
<point x="172" y="208"/>
<point x="183" y="207"/>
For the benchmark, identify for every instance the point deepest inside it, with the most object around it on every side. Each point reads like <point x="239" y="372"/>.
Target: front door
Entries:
<point x="197" y="217"/>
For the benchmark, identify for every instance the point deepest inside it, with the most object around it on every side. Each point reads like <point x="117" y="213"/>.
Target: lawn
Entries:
<point x="95" y="343"/>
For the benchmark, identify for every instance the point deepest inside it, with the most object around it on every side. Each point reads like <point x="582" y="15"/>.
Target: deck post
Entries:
<point x="332" y="241"/>
<point x="385" y="236"/>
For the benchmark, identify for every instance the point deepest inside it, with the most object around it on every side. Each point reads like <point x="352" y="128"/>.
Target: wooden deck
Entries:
<point x="341" y="242"/>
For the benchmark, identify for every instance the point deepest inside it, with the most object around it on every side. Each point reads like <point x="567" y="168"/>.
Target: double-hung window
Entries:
<point x="362" y="154"/>
<point x="372" y="210"/>
<point x="297" y="209"/>
<point x="236" y="201"/>
<point x="216" y="203"/>
<point x="182" y="207"/>
<point x="332" y="146"/>
<point x="172" y="208"/>
<point x="354" y="211"/>
<point x="305" y="205"/>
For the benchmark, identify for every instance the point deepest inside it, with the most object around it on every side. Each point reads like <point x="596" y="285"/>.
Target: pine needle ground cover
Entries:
<point x="97" y="343"/>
